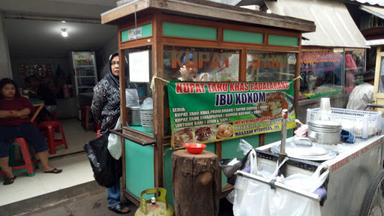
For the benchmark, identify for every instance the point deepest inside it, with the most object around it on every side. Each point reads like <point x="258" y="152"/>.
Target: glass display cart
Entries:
<point x="194" y="41"/>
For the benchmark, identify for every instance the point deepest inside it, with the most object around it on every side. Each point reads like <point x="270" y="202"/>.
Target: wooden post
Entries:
<point x="196" y="183"/>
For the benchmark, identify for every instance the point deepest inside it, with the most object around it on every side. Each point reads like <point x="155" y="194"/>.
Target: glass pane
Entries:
<point x="381" y="83"/>
<point x="322" y="73"/>
<point x="355" y="72"/>
<point x="143" y="89"/>
<point x="139" y="113"/>
<point x="262" y="66"/>
<point x="201" y="64"/>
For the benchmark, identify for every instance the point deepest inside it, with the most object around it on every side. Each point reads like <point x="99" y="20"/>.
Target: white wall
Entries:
<point x="5" y="65"/>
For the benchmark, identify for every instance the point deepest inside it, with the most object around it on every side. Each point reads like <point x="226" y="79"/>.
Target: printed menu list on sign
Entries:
<point x="208" y="112"/>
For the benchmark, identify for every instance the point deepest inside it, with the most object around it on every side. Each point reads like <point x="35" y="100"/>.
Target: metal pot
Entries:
<point x="324" y="132"/>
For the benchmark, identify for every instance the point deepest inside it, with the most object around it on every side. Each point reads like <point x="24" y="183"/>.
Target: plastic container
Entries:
<point x="362" y="124"/>
<point x="146" y="117"/>
<point x="134" y="115"/>
<point x="146" y="113"/>
<point x="195" y="148"/>
<point x="131" y="98"/>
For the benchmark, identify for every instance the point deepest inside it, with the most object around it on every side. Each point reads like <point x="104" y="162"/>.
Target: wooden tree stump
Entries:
<point x="196" y="183"/>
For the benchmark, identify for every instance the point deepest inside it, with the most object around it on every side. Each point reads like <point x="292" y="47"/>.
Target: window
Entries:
<point x="201" y="64"/>
<point x="263" y="66"/>
<point x="355" y="72"/>
<point x="138" y="70"/>
<point x="322" y="73"/>
<point x="381" y="82"/>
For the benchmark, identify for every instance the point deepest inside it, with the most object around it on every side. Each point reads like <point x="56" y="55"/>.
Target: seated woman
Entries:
<point x="14" y="122"/>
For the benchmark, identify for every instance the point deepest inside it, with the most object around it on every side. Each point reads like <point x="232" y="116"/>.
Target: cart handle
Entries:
<point x="275" y="184"/>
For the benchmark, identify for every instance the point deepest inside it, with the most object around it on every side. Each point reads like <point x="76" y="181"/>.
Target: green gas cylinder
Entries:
<point x="156" y="206"/>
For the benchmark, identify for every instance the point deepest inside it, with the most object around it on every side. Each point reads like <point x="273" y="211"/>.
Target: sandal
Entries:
<point x="54" y="171"/>
<point x="119" y="209"/>
<point x="9" y="180"/>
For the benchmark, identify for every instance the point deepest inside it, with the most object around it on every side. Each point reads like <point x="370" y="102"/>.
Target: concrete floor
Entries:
<point x="83" y="200"/>
<point x="73" y="161"/>
<point x="72" y="193"/>
<point x="81" y="205"/>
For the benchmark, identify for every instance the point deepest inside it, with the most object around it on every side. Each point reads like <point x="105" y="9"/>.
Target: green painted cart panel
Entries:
<point x="279" y="40"/>
<point x="139" y="167"/>
<point x="242" y="37"/>
<point x="273" y="137"/>
<point x="140" y="160"/>
<point x="211" y="147"/>
<point x="146" y="130"/>
<point x="189" y="31"/>
<point x="146" y="31"/>
<point x="168" y="173"/>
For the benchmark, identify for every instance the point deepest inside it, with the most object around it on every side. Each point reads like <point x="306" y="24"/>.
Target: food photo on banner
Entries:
<point x="206" y="112"/>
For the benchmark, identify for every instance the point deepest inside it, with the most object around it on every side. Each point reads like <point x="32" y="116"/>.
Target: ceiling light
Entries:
<point x="64" y="32"/>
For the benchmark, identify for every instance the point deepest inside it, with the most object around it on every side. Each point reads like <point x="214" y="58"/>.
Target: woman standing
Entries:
<point x="14" y="122"/>
<point x="106" y="111"/>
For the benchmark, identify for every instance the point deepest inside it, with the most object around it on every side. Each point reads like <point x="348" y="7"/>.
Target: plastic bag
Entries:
<point x="147" y="103"/>
<point x="245" y="147"/>
<point x="131" y="97"/>
<point x="106" y="170"/>
<point x="258" y="199"/>
<point x="305" y="182"/>
<point x="254" y="198"/>
<point x="114" y="143"/>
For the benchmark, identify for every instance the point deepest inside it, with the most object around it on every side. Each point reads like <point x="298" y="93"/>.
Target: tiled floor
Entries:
<point x="76" y="137"/>
<point x="76" y="169"/>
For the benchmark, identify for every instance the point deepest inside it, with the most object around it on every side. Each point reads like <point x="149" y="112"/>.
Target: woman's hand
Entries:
<point x="22" y="114"/>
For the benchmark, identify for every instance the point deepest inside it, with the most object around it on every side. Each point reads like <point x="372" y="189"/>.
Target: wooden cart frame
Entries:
<point x="194" y="13"/>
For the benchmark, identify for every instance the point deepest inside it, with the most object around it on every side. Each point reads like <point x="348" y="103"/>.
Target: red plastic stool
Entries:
<point x="49" y="127"/>
<point x="28" y="165"/>
<point x="85" y="116"/>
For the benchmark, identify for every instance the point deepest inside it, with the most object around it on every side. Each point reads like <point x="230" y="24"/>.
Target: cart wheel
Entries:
<point x="374" y="198"/>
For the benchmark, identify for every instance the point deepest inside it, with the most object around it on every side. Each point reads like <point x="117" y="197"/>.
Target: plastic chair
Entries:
<point x="49" y="127"/>
<point x="86" y="117"/>
<point x="28" y="164"/>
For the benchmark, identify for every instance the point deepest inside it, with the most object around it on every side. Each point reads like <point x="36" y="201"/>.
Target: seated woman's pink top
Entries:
<point x="18" y="103"/>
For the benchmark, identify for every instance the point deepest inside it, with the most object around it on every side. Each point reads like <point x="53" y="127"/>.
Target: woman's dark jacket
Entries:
<point x="106" y="102"/>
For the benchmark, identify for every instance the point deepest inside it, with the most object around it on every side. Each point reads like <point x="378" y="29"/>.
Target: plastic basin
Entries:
<point x="195" y="148"/>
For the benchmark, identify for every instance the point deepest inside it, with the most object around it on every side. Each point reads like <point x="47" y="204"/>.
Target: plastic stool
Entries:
<point x="49" y="128"/>
<point x="28" y="165"/>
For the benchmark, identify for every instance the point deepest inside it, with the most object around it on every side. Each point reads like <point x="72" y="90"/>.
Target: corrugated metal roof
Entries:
<point x="371" y="2"/>
<point x="379" y="12"/>
<point x="334" y="25"/>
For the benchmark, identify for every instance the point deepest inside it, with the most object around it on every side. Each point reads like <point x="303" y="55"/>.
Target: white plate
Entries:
<point x="330" y="155"/>
<point x="313" y="153"/>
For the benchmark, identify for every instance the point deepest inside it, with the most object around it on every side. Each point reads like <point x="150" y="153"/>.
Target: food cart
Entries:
<point x="353" y="184"/>
<point x="158" y="40"/>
